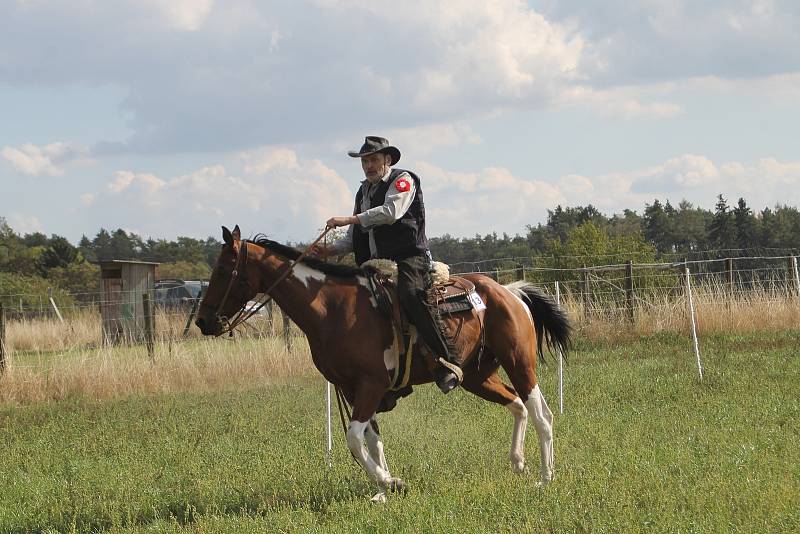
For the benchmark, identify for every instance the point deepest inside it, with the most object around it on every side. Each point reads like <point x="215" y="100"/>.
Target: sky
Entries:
<point x="172" y="118"/>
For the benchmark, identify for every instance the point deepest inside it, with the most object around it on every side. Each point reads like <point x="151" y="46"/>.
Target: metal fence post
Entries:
<point x="729" y="274"/>
<point x="796" y="276"/>
<point x="629" y="289"/>
<point x="2" y="338"/>
<point x="792" y="286"/>
<point x="587" y="292"/>
<point x="694" y="324"/>
<point x="53" y="303"/>
<point x="148" y="327"/>
<point x="560" y="360"/>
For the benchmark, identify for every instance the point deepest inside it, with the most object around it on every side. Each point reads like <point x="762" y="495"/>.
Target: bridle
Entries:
<point x="241" y="264"/>
<point x="239" y="267"/>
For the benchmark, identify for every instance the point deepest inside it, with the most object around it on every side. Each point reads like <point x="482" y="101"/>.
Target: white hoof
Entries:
<point x="518" y="466"/>
<point x="379" y="497"/>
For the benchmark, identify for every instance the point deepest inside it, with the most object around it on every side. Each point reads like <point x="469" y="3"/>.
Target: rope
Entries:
<point x="344" y="408"/>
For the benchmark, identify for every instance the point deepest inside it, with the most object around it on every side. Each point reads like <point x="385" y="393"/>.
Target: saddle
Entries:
<point x="449" y="294"/>
<point x="454" y="295"/>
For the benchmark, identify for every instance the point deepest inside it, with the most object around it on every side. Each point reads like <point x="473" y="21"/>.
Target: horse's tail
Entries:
<point x="551" y="322"/>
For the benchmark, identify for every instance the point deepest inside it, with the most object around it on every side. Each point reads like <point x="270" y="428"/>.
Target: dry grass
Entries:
<point x="81" y="329"/>
<point x="765" y="310"/>
<point x="50" y="360"/>
<point x="198" y="365"/>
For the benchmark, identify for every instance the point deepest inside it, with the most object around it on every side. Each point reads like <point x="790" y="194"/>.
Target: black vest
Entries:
<point x="398" y="241"/>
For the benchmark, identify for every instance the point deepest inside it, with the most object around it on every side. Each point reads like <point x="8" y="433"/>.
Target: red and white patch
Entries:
<point x="402" y="185"/>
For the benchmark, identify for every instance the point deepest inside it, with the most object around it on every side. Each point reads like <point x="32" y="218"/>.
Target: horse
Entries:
<point x="352" y="342"/>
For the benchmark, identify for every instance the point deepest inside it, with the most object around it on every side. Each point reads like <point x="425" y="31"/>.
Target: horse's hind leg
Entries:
<point x="493" y="389"/>
<point x="517" y="354"/>
<point x="524" y="379"/>
<point x="543" y="422"/>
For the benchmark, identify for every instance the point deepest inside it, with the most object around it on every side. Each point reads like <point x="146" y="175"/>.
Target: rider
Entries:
<point x="388" y="222"/>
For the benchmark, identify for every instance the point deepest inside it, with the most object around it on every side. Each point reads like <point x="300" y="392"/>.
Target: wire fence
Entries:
<point x="740" y="292"/>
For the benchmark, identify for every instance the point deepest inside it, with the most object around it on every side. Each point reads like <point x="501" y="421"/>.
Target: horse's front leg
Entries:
<point x="375" y="447"/>
<point x="375" y="444"/>
<point x="374" y="464"/>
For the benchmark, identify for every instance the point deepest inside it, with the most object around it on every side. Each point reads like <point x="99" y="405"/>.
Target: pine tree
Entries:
<point x="722" y="231"/>
<point x="122" y="245"/>
<point x="745" y="224"/>
<point x="59" y="253"/>
<point x="656" y="226"/>
<point x="691" y="227"/>
<point x="86" y="249"/>
<point x="102" y="246"/>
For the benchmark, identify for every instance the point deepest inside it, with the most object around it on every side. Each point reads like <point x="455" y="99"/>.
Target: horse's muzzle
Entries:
<point x="208" y="328"/>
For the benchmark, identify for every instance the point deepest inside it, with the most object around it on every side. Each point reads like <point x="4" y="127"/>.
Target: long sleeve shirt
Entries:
<point x="395" y="205"/>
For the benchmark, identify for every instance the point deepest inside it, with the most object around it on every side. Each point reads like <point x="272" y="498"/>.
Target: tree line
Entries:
<point x="574" y="236"/>
<point x="571" y="237"/>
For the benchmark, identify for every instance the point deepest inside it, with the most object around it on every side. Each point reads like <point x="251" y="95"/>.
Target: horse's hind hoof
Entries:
<point x="379" y="497"/>
<point x="395" y="485"/>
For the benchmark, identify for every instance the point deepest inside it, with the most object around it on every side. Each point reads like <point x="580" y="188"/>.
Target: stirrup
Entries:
<point x="448" y="376"/>
<point x="447" y="382"/>
<point x="456" y="370"/>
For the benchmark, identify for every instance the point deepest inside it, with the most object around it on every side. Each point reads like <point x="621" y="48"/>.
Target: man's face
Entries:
<point x="375" y="166"/>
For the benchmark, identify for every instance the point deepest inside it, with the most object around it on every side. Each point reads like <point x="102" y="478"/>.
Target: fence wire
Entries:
<point x="649" y="294"/>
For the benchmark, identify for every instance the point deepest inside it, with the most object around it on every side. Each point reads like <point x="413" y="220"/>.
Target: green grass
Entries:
<point x="642" y="445"/>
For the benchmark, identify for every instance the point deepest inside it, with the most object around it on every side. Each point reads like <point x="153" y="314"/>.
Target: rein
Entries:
<point x="243" y="315"/>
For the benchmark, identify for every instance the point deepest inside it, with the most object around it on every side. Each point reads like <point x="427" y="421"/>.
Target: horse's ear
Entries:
<point x="237" y="235"/>
<point x="227" y="237"/>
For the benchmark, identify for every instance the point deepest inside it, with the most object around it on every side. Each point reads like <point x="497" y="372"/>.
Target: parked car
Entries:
<point x="175" y="293"/>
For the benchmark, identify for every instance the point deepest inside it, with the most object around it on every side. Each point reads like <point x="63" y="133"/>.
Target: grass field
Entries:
<point x="642" y="445"/>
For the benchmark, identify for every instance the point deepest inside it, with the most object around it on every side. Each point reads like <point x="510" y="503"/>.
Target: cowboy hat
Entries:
<point x="374" y="144"/>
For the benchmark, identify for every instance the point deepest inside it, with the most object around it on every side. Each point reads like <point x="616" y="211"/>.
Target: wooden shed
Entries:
<point x="122" y="306"/>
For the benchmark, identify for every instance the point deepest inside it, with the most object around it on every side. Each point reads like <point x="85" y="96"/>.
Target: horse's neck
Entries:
<point x="298" y="294"/>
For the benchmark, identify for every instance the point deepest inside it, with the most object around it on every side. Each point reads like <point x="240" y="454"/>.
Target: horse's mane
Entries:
<point x="334" y="269"/>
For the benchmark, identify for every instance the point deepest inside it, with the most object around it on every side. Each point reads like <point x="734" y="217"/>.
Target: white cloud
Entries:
<point x="278" y="192"/>
<point x="624" y="102"/>
<point x="427" y="139"/>
<point x="308" y="190"/>
<point x="643" y="42"/>
<point x="778" y="87"/>
<point x="187" y="15"/>
<point x="231" y="75"/>
<point x="247" y="67"/>
<point x="25" y="224"/>
<point x="45" y="160"/>
<point x="692" y="177"/>
<point x="490" y="200"/>
<point x="683" y="173"/>
<point x="264" y="160"/>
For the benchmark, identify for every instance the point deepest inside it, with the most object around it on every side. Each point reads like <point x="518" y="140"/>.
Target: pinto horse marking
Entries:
<point x="351" y="342"/>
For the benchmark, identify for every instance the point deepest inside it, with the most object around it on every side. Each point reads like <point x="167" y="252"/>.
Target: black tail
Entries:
<point x="551" y="323"/>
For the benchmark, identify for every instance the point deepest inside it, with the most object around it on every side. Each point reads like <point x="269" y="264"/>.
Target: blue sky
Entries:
<point x="173" y="118"/>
